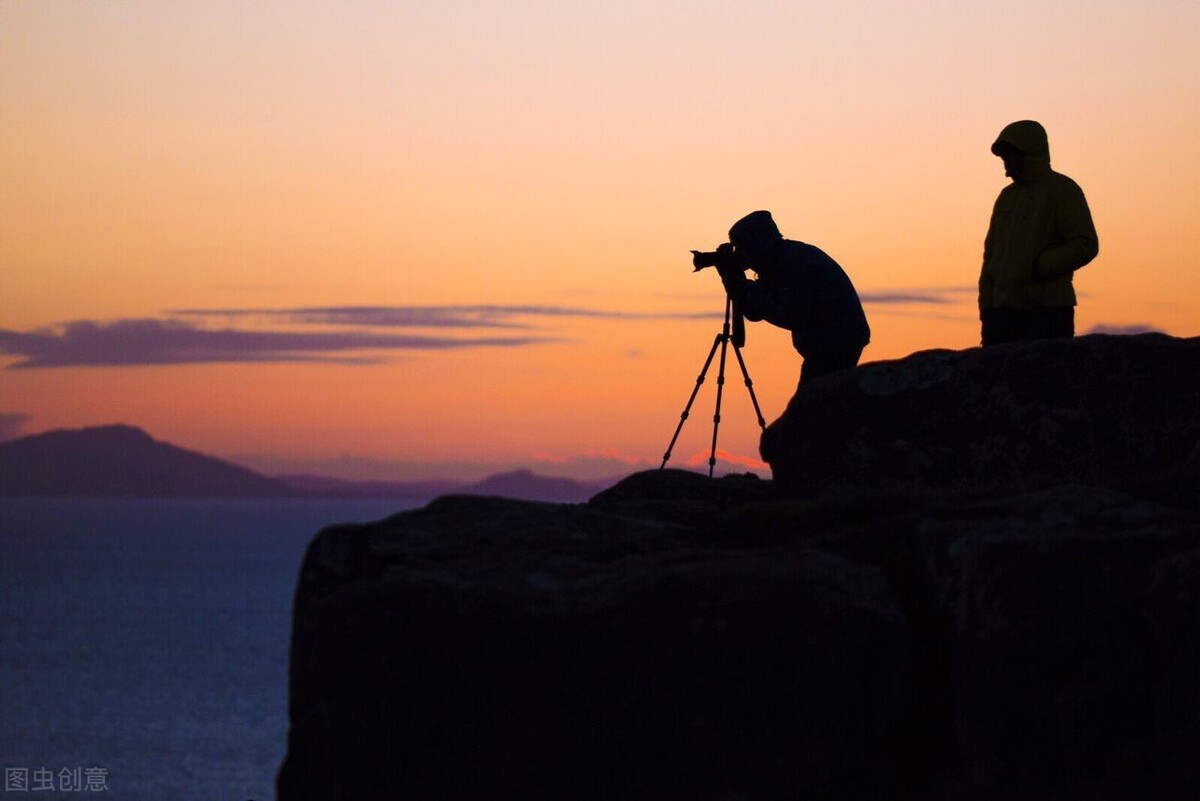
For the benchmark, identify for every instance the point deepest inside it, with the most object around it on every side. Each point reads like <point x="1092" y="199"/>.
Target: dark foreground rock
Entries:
<point x="685" y="638"/>
<point x="1097" y="409"/>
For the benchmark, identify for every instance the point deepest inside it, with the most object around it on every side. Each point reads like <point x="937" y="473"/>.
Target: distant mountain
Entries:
<point x="518" y="484"/>
<point x="122" y="460"/>
<point x="126" y="461"/>
<point x="525" y="485"/>
<point x="324" y="486"/>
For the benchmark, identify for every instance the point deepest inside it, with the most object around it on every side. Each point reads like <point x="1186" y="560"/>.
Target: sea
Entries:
<point x="144" y="642"/>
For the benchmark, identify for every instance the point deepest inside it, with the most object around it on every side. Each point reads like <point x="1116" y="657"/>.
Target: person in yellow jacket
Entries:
<point x="1041" y="232"/>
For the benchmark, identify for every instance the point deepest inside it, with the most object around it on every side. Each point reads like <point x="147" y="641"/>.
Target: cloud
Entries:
<point x="1113" y="328"/>
<point x="506" y="316"/>
<point x="162" y="342"/>
<point x="904" y="297"/>
<point x="12" y="424"/>
<point x="942" y="295"/>
<point x="481" y="316"/>
<point x="601" y="463"/>
<point x="338" y="334"/>
<point x="728" y="461"/>
<point x="955" y="303"/>
<point x="585" y="467"/>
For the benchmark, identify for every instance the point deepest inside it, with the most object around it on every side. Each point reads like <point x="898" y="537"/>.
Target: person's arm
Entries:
<point x="1079" y="243"/>
<point x="751" y="297"/>
<point x="986" y="279"/>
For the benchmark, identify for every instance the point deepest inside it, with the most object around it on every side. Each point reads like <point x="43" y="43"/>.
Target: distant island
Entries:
<point x="123" y="460"/>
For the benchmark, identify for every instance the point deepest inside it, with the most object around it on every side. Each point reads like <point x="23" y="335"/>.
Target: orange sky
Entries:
<point x="553" y="163"/>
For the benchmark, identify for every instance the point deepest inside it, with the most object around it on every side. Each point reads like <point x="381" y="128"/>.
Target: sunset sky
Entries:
<point x="405" y="240"/>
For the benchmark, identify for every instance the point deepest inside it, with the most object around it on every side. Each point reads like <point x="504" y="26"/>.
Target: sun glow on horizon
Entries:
<point x="500" y="201"/>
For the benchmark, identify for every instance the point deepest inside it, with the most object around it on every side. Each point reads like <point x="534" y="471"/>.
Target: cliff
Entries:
<point x="889" y="628"/>
<point x="1106" y="410"/>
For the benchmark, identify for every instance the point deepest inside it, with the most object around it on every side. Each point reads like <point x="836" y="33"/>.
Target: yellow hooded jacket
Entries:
<point x="1041" y="231"/>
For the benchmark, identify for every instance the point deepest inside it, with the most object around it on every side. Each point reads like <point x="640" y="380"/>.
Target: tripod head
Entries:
<point x="726" y="262"/>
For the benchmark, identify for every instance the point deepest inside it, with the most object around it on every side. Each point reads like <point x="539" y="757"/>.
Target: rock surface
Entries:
<point x="677" y="637"/>
<point x="1096" y="409"/>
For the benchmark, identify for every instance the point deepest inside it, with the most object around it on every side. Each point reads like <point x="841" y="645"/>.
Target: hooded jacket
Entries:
<point x="1041" y="231"/>
<point x="802" y="290"/>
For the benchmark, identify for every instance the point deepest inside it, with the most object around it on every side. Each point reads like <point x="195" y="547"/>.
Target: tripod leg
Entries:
<point x="695" y="390"/>
<point x="762" y="423"/>
<point x="712" y="454"/>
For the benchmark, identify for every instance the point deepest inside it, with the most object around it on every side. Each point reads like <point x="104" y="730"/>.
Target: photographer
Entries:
<point x="799" y="288"/>
<point x="1041" y="232"/>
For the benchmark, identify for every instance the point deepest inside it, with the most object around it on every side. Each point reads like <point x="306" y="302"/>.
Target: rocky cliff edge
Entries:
<point x="994" y="598"/>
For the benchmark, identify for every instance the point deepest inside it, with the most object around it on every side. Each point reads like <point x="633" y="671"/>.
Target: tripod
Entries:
<point x="723" y="340"/>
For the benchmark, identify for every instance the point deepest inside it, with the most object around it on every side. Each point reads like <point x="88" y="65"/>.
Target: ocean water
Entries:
<point x="144" y="642"/>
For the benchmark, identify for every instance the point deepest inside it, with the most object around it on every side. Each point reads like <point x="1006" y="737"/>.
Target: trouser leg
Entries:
<point x="998" y="326"/>
<point x="828" y="361"/>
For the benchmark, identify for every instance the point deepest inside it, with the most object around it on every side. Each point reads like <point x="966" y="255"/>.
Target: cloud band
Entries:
<point x="339" y="334"/>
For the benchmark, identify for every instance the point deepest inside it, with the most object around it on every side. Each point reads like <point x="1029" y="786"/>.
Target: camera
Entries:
<point x="722" y="258"/>
<point x="726" y="263"/>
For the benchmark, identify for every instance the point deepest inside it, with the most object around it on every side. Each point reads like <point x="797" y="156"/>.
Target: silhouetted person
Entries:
<point x="801" y="289"/>
<point x="1041" y="232"/>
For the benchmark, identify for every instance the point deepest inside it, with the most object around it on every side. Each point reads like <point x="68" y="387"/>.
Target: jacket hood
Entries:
<point x="1030" y="138"/>
<point x="756" y="231"/>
